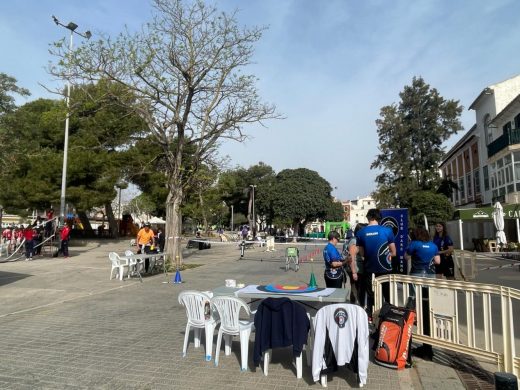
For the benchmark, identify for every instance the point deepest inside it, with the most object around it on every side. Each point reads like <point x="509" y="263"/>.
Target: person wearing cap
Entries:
<point x="145" y="239"/>
<point x="334" y="262"/>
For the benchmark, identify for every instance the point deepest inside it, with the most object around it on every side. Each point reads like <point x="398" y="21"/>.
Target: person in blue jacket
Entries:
<point x="334" y="262"/>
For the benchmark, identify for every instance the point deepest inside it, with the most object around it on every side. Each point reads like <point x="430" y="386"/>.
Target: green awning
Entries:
<point x="511" y="211"/>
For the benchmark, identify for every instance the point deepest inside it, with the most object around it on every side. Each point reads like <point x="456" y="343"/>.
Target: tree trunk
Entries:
<point x="87" y="227"/>
<point x="112" y="223"/>
<point x="296" y="226"/>
<point x="174" y="226"/>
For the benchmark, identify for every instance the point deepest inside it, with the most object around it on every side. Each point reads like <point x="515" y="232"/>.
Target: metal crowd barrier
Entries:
<point x="469" y="318"/>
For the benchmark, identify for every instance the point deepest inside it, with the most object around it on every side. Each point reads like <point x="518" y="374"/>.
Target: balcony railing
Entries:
<point x="511" y="137"/>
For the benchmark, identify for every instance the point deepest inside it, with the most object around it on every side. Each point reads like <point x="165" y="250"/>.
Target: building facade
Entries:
<point x="485" y="163"/>
<point x="356" y="210"/>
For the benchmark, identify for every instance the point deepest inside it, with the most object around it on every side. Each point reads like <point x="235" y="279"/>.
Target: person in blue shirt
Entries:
<point x="334" y="262"/>
<point x="376" y="244"/>
<point x="424" y="255"/>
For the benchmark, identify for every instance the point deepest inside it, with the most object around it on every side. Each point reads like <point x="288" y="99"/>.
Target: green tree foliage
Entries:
<point x="203" y="202"/>
<point x="103" y="130"/>
<point x="300" y="195"/>
<point x="145" y="167"/>
<point x="335" y="212"/>
<point x="446" y="187"/>
<point x="411" y="135"/>
<point x="31" y="149"/>
<point x="185" y="68"/>
<point x="234" y="187"/>
<point x="435" y="206"/>
<point x="99" y="136"/>
<point x="8" y="87"/>
<point x="141" y="204"/>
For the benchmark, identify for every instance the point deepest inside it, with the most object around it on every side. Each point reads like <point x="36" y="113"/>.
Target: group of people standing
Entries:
<point x="33" y="236"/>
<point x="369" y="251"/>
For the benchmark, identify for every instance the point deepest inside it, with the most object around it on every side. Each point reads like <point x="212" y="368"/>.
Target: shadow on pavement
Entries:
<point x="469" y="370"/>
<point x="11" y="277"/>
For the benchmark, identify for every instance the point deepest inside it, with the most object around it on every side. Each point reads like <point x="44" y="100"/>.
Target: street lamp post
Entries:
<point x="254" y="216"/>
<point x="120" y="185"/>
<point x="1" y="215"/>
<point x="72" y="27"/>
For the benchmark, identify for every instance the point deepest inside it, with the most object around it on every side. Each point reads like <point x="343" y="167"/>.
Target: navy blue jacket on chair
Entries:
<point x="280" y="322"/>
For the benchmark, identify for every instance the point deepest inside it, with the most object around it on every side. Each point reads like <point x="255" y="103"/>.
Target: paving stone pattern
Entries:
<point x="66" y="326"/>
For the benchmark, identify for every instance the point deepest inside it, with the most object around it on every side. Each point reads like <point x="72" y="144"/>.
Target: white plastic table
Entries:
<point x="339" y="295"/>
<point x="139" y="260"/>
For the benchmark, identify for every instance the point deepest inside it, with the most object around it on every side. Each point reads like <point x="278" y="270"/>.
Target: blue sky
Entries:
<point x="328" y="65"/>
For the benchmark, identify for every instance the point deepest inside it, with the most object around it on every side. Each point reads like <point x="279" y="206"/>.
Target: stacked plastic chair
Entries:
<point x="118" y="264"/>
<point x="200" y="316"/>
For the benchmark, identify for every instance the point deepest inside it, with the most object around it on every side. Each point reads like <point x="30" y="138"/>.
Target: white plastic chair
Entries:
<point x="299" y="364"/>
<point x="229" y="309"/>
<point x="200" y="316"/>
<point x="132" y="263"/>
<point x="117" y="263"/>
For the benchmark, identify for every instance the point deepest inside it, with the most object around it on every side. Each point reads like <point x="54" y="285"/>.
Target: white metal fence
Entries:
<point x="470" y="318"/>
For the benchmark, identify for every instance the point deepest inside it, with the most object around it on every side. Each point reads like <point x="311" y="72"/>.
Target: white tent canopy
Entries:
<point x="156" y="220"/>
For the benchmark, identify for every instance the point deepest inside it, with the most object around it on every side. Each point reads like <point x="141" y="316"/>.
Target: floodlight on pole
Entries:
<point x="72" y="28"/>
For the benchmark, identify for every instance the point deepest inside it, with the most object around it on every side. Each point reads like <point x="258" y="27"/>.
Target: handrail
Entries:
<point x="456" y="311"/>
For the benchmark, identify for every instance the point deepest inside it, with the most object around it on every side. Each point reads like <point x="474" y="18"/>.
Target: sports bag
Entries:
<point x="392" y="347"/>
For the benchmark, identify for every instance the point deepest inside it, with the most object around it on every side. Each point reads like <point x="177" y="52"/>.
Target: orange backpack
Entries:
<point x="392" y="347"/>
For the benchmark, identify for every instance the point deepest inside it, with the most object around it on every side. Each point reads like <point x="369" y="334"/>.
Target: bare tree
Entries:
<point x="184" y="67"/>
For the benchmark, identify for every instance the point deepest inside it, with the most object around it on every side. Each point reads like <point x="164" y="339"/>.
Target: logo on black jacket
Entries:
<point x="341" y="317"/>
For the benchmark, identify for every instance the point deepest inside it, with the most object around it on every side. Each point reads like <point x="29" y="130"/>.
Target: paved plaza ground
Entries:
<point x="65" y="325"/>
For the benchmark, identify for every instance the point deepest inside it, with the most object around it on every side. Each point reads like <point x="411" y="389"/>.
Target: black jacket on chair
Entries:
<point x="280" y="322"/>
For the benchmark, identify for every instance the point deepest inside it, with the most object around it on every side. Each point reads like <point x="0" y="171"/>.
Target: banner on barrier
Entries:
<point x="397" y="220"/>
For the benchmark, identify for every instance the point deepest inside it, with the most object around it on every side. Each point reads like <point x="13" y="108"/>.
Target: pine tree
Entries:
<point x="411" y="135"/>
